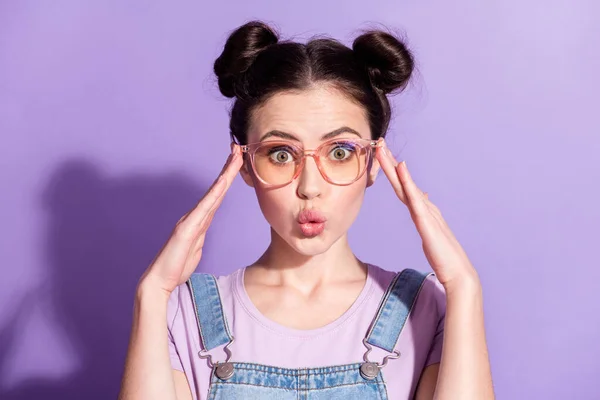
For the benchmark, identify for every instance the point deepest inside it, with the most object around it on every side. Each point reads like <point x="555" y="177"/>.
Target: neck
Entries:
<point x="280" y="264"/>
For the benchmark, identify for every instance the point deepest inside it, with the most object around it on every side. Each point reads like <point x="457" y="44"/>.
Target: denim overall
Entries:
<point x="360" y="380"/>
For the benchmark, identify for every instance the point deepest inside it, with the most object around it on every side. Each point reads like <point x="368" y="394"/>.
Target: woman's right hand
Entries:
<point x="180" y="255"/>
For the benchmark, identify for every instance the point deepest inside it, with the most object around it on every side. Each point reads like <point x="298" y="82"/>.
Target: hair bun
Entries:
<point x="240" y="51"/>
<point x="387" y="60"/>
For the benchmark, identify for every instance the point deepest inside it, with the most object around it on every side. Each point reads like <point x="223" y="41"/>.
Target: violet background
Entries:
<point x="112" y="127"/>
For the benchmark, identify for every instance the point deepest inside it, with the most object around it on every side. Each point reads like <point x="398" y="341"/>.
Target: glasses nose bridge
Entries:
<point x="305" y="153"/>
<point x="310" y="153"/>
<point x="314" y="153"/>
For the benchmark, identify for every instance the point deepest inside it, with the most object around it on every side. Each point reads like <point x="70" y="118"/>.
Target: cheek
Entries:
<point x="275" y="204"/>
<point x="341" y="203"/>
<point x="347" y="200"/>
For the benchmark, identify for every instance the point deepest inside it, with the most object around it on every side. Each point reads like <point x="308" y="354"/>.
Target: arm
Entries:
<point x="148" y="374"/>
<point x="465" y="367"/>
<point x="464" y="371"/>
<point x="427" y="382"/>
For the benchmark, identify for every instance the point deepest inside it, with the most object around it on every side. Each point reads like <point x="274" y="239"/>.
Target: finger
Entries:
<point x="235" y="149"/>
<point x="195" y="251"/>
<point x="198" y="244"/>
<point x="216" y="192"/>
<point x="230" y="173"/>
<point x="388" y="164"/>
<point x="435" y="211"/>
<point x="414" y="195"/>
<point x="222" y="173"/>
<point x="190" y="227"/>
<point x="198" y="213"/>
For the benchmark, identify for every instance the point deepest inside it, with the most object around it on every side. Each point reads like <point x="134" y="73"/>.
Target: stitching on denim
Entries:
<point x="408" y="274"/>
<point x="196" y="312"/>
<point x="267" y="369"/>
<point x="212" y="387"/>
<point x="303" y="376"/>
<point x="221" y="308"/>
<point x="217" y="308"/>
<point x="297" y="381"/>
<point x="412" y="306"/>
<point x="382" y="386"/>
<point x="381" y="304"/>
<point x="221" y="383"/>
<point x="209" y="282"/>
<point x="403" y="281"/>
<point x="195" y="340"/>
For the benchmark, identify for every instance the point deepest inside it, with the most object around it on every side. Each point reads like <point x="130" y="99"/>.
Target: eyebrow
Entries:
<point x="332" y="134"/>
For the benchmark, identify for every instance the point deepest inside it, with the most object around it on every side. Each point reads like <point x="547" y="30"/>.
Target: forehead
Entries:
<point x="308" y="115"/>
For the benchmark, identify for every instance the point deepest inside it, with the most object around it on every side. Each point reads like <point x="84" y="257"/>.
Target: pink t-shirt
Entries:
<point x="263" y="341"/>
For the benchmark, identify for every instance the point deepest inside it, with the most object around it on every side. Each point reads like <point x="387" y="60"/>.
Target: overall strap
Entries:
<point x="211" y="320"/>
<point x="395" y="308"/>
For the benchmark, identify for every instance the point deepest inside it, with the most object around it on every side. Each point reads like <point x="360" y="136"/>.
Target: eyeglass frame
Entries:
<point x="250" y="149"/>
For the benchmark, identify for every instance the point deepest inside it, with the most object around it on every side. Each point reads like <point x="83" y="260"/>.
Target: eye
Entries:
<point x="342" y="151"/>
<point x="281" y="155"/>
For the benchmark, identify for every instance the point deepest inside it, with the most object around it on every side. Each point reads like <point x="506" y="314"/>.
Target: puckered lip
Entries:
<point x="313" y="216"/>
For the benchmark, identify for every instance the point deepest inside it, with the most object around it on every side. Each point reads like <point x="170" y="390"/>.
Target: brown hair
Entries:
<point x="255" y="65"/>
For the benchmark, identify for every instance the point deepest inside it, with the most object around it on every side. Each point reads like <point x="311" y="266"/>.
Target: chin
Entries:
<point x="309" y="246"/>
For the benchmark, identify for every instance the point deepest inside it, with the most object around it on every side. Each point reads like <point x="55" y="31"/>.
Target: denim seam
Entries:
<point x="218" y="304"/>
<point x="294" y="371"/>
<point x="383" y="300"/>
<point x="412" y="306"/>
<point x="303" y="377"/>
<point x="220" y="383"/>
<point x="385" y="305"/>
<point x="222" y="310"/>
<point x="215" y="305"/>
<point x="382" y="387"/>
<point x="196" y="316"/>
<point x="297" y="382"/>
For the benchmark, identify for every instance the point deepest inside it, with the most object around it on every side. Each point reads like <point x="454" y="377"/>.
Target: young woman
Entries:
<point x="308" y="319"/>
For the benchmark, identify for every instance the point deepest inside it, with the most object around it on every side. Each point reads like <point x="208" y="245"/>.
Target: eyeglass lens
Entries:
<point x="341" y="161"/>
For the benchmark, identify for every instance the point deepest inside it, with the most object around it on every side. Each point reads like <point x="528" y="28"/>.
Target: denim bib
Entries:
<point x="249" y="381"/>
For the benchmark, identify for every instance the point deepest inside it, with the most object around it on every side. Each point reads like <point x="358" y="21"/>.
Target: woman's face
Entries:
<point x="308" y="115"/>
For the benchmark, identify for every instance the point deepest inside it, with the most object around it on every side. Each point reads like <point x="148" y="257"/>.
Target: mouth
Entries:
<point x="311" y="222"/>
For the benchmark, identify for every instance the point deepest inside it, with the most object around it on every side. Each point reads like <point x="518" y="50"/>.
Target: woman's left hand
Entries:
<point x="443" y="251"/>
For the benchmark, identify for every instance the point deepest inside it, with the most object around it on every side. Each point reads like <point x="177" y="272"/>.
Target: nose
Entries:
<point x="310" y="181"/>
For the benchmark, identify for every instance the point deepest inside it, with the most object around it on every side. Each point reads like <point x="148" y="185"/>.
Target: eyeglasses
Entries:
<point x="340" y="161"/>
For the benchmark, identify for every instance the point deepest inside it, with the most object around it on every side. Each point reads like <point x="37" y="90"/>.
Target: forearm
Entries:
<point x="465" y="372"/>
<point x="148" y="373"/>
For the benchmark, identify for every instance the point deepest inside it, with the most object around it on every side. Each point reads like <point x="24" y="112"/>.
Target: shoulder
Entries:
<point x="181" y="304"/>
<point x="431" y="298"/>
<point x="381" y="277"/>
<point x="433" y="295"/>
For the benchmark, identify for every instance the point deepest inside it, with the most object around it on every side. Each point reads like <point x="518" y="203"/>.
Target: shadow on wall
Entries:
<point x="102" y="233"/>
